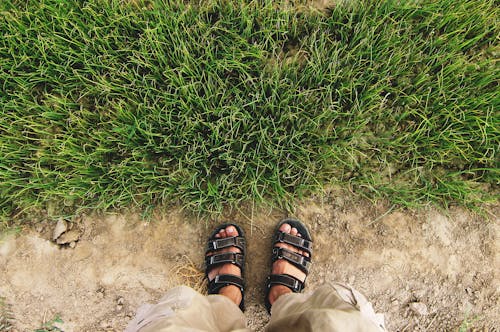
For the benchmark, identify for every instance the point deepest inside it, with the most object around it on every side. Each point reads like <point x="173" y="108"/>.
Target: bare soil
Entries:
<point x="427" y="270"/>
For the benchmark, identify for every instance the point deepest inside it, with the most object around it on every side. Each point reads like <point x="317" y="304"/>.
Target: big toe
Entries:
<point x="231" y="231"/>
<point x="286" y="228"/>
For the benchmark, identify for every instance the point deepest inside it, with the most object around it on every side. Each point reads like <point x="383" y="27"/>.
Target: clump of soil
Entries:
<point x="425" y="270"/>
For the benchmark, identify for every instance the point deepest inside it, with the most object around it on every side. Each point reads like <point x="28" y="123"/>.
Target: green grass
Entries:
<point x="107" y="104"/>
<point x="49" y="326"/>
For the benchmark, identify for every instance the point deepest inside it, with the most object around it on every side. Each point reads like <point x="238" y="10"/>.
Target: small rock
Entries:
<point x="419" y="308"/>
<point x="57" y="326"/>
<point x="69" y="237"/>
<point x="72" y="244"/>
<point x="60" y="228"/>
<point x="120" y="301"/>
<point x="119" y="307"/>
<point x="467" y="306"/>
<point x="39" y="228"/>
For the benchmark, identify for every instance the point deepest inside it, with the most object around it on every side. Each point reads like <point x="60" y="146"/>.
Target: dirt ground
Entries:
<point x="426" y="270"/>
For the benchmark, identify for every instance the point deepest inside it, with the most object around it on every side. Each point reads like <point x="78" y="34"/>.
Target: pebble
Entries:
<point x="68" y="237"/>
<point x="419" y="308"/>
<point x="60" y="228"/>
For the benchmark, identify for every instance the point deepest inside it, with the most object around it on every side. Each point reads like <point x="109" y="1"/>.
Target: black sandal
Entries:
<point x="217" y="259"/>
<point x="303" y="263"/>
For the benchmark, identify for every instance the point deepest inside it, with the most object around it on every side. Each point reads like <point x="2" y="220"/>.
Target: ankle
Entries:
<point x="276" y="291"/>
<point x="233" y="293"/>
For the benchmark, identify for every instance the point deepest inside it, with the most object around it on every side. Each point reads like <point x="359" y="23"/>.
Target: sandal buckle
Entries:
<point x="281" y="237"/>
<point x="277" y="253"/>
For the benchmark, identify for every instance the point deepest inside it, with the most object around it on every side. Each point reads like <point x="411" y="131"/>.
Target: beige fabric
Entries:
<point x="184" y="309"/>
<point x="332" y="307"/>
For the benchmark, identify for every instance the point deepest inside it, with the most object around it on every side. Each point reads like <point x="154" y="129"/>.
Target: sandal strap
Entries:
<point x="303" y="263"/>
<point x="235" y="258"/>
<point x="223" y="280"/>
<point x="296" y="241"/>
<point x="287" y="280"/>
<point x="234" y="241"/>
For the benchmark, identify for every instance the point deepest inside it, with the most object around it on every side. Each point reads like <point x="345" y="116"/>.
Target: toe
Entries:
<point x="294" y="231"/>
<point x="285" y="228"/>
<point x="231" y="231"/>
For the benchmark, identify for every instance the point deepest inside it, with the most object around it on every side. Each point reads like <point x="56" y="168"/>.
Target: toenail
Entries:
<point x="286" y="228"/>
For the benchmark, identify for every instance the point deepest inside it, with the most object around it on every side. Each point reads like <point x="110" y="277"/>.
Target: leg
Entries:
<point x="182" y="308"/>
<point x="332" y="307"/>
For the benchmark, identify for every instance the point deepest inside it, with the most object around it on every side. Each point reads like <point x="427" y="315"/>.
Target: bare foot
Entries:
<point x="282" y="266"/>
<point x="231" y="291"/>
